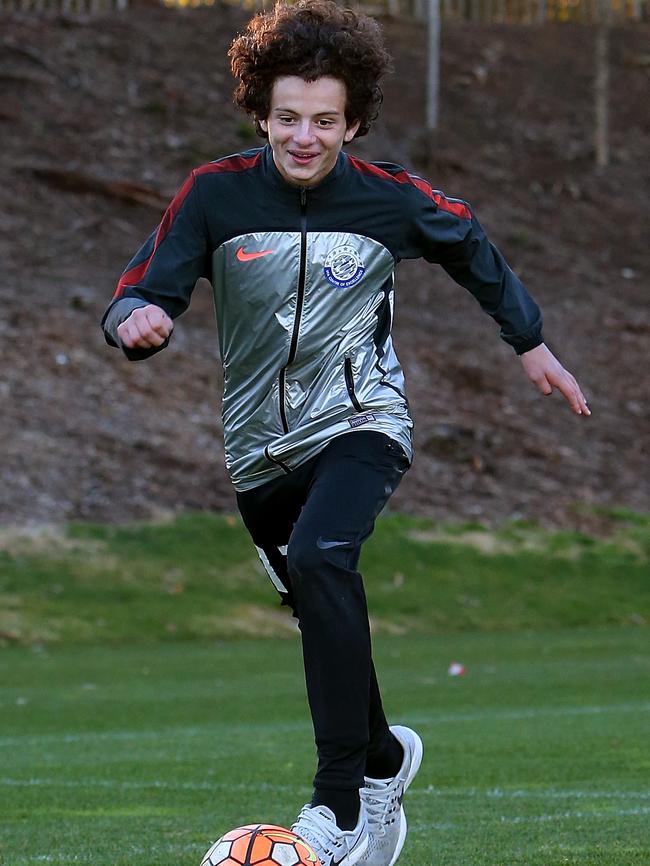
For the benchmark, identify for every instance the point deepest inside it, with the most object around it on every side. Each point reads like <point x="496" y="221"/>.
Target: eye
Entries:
<point x="325" y="122"/>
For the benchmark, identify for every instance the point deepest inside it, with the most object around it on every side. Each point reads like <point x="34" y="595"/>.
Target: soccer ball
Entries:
<point x="260" y="845"/>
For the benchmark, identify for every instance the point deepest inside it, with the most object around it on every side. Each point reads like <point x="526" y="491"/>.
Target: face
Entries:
<point x="306" y="127"/>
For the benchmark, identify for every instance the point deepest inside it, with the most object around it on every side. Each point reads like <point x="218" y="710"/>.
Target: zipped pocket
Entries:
<point x="349" y="383"/>
<point x="272" y="459"/>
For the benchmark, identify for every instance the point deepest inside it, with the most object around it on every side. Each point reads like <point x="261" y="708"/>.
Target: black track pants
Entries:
<point x="308" y="527"/>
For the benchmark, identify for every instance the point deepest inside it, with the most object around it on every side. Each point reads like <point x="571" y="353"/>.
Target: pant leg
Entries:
<point x="351" y="482"/>
<point x="270" y="512"/>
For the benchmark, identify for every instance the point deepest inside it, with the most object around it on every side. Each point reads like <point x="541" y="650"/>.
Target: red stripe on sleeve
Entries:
<point x="234" y="163"/>
<point x="136" y="274"/>
<point x="458" y="208"/>
<point x="369" y="168"/>
<point x="131" y="277"/>
<point x="230" y="163"/>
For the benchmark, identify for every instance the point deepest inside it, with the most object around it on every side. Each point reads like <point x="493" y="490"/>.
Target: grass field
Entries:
<point x="139" y="720"/>
<point x="142" y="755"/>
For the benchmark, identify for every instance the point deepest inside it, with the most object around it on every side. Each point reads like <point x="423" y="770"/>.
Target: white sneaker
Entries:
<point x="335" y="847"/>
<point x="382" y="799"/>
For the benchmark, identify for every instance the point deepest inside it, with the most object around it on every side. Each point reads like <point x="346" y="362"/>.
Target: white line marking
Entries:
<point x="540" y="819"/>
<point x="461" y="793"/>
<point x="540" y="712"/>
<point x="155" y="784"/>
<point x="171" y="848"/>
<point x="93" y="736"/>
<point x="532" y="793"/>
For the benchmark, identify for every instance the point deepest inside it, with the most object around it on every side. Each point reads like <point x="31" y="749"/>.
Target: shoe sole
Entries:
<point x="403" y="827"/>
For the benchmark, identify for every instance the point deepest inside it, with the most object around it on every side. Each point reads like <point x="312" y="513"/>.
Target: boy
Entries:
<point x="300" y="242"/>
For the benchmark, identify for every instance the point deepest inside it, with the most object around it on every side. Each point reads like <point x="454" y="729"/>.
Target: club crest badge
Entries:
<point x="343" y="267"/>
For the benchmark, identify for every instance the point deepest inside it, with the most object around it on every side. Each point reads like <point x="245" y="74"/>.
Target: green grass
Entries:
<point x="138" y="721"/>
<point x="140" y="755"/>
<point x="198" y="577"/>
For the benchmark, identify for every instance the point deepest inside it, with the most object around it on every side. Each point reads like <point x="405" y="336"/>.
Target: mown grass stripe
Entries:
<point x="423" y="719"/>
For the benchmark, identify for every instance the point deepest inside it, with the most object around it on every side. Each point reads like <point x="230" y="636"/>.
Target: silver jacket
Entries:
<point x="304" y="291"/>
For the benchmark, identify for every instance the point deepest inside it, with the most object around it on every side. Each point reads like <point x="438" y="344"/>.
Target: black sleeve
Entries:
<point x="165" y="269"/>
<point x="450" y="234"/>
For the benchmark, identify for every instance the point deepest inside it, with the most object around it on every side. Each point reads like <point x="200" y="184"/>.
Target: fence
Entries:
<point x="71" y="7"/>
<point x="485" y="11"/>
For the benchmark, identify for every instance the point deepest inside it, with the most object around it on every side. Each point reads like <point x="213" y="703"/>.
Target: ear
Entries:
<point x="264" y="125"/>
<point x="351" y="131"/>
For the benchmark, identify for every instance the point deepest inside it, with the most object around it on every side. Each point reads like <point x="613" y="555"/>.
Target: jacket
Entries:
<point x="303" y="283"/>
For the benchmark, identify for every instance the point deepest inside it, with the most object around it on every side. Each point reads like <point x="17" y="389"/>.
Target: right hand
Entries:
<point x="146" y="328"/>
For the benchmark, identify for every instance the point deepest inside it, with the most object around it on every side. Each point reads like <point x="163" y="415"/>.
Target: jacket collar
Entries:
<point x="284" y="187"/>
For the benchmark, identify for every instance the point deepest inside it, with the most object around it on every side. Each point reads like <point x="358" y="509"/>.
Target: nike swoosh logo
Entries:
<point x="344" y="857"/>
<point x="325" y="545"/>
<point x="243" y="256"/>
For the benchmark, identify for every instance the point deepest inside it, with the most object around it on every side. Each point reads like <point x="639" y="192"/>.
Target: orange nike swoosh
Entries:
<point x="243" y="256"/>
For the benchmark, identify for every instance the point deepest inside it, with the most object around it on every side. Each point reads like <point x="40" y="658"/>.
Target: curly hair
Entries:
<point x="311" y="39"/>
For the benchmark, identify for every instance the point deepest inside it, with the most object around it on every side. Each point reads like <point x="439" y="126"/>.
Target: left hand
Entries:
<point x="546" y="373"/>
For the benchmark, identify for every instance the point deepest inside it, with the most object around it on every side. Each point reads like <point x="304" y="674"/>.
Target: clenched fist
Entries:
<point x="146" y="328"/>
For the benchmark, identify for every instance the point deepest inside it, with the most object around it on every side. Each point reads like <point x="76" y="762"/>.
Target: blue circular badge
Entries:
<point x="343" y="267"/>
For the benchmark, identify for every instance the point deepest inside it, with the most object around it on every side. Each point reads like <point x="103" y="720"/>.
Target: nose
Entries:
<point x="303" y="134"/>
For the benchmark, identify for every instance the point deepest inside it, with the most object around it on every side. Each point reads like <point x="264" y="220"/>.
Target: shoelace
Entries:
<point x="377" y="807"/>
<point x="317" y="830"/>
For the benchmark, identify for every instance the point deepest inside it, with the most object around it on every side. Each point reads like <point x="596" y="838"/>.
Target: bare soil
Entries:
<point x="101" y="119"/>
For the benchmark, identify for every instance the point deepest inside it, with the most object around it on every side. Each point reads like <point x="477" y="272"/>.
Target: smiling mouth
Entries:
<point x="302" y="156"/>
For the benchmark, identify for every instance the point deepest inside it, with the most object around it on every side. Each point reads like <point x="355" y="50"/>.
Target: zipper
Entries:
<point x="349" y="383"/>
<point x="293" y="346"/>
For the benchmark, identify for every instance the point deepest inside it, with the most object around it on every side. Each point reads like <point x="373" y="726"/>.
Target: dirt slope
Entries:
<point x="144" y="96"/>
